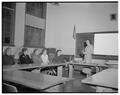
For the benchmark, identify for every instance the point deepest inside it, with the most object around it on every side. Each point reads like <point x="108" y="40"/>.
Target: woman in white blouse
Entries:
<point x="45" y="60"/>
<point x="44" y="57"/>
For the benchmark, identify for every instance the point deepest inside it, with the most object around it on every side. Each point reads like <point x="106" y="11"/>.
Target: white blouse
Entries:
<point x="45" y="59"/>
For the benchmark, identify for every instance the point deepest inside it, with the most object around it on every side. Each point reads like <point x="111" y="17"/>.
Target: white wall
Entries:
<point x="88" y="17"/>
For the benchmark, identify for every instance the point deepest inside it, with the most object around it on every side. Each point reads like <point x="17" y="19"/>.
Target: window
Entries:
<point x="8" y="23"/>
<point x="36" y="9"/>
<point x="34" y="37"/>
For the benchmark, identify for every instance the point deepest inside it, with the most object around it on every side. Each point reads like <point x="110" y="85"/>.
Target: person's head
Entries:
<point x="24" y="51"/>
<point x="44" y="51"/>
<point x="8" y="51"/>
<point x="59" y="52"/>
<point x="36" y="52"/>
<point x="88" y="42"/>
<point x="85" y="44"/>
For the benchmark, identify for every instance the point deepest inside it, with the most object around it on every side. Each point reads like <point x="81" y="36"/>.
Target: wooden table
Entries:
<point x="105" y="79"/>
<point x="84" y="65"/>
<point x="30" y="66"/>
<point x="33" y="80"/>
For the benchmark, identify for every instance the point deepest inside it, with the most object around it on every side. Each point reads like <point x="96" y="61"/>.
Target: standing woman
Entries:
<point x="88" y="52"/>
<point x="88" y="58"/>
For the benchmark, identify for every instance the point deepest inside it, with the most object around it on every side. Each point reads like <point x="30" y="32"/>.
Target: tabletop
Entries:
<point x="33" y="80"/>
<point x="106" y="78"/>
<point x="91" y="65"/>
<point x="28" y="66"/>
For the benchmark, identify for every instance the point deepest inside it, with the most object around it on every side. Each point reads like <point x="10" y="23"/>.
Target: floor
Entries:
<point x="73" y="86"/>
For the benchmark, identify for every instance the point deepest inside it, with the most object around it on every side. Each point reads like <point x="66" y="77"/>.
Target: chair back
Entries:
<point x="6" y="88"/>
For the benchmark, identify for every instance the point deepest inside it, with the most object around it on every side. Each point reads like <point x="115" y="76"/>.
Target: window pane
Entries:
<point x="33" y="37"/>
<point x="9" y="5"/>
<point x="8" y="24"/>
<point x="35" y="9"/>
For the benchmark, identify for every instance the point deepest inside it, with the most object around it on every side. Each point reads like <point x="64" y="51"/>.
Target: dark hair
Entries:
<point x="35" y="50"/>
<point x="84" y="44"/>
<point x="24" y="49"/>
<point x="58" y="51"/>
<point x="33" y="53"/>
<point x="5" y="52"/>
<point x="43" y="50"/>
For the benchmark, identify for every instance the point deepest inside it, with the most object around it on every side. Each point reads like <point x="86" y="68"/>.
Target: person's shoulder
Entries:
<point x="42" y="55"/>
<point x="22" y="55"/>
<point x="4" y="56"/>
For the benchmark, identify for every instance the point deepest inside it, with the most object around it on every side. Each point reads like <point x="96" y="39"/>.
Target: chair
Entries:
<point x="6" y="88"/>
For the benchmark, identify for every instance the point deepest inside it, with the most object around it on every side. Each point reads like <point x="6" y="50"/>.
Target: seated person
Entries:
<point x="45" y="61"/>
<point x="8" y="59"/>
<point x="44" y="57"/>
<point x="24" y="57"/>
<point x="58" y="58"/>
<point x="36" y="57"/>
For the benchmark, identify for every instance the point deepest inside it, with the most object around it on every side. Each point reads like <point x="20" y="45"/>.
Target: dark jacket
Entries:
<point x="58" y="59"/>
<point x="25" y="59"/>
<point x="8" y="60"/>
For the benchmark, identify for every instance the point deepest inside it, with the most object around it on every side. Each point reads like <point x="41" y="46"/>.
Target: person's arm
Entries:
<point x="29" y="59"/>
<point x="16" y="53"/>
<point x="90" y="50"/>
<point x="13" y="60"/>
<point x="22" y="59"/>
<point x="47" y="59"/>
<point x="84" y="52"/>
<point x="42" y="58"/>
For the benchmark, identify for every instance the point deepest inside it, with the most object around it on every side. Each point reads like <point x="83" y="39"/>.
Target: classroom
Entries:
<point x="60" y="47"/>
